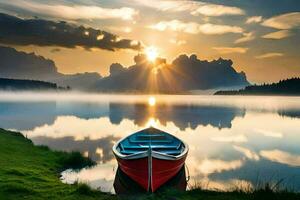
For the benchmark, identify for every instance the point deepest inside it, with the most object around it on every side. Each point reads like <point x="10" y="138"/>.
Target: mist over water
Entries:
<point x="233" y="140"/>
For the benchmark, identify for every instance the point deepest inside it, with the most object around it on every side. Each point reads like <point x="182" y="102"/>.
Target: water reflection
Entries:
<point x="99" y="177"/>
<point x="183" y="116"/>
<point x="123" y="184"/>
<point x="26" y="115"/>
<point x="232" y="141"/>
<point x="289" y="113"/>
<point x="98" y="149"/>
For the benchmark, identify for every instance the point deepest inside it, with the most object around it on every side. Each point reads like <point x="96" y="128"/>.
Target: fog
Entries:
<point x="270" y="103"/>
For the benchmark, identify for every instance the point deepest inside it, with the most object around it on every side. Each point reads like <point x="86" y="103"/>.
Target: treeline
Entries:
<point x="20" y="84"/>
<point x="283" y="87"/>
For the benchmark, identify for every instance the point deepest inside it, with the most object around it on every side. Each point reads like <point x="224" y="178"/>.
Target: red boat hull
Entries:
<point x="151" y="176"/>
<point x="124" y="185"/>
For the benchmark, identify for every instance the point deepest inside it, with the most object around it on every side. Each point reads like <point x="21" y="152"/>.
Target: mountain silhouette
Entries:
<point x="20" y="65"/>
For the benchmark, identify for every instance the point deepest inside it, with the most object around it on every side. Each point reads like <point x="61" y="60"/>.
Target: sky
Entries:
<point x="260" y="36"/>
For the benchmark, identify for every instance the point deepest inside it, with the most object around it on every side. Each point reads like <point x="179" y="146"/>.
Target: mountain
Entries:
<point x="21" y="65"/>
<point x="19" y="84"/>
<point x="283" y="87"/>
<point x="185" y="73"/>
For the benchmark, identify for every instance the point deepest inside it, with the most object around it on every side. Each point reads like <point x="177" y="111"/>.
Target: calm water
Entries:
<point x="233" y="140"/>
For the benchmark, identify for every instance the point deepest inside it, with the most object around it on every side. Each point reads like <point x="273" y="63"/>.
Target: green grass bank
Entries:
<point x="32" y="172"/>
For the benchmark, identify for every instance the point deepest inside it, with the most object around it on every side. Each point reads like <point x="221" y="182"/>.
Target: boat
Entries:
<point x="124" y="185"/>
<point x="150" y="157"/>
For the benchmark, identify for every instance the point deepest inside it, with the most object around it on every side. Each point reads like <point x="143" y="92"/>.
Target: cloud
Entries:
<point x="278" y="35"/>
<point x="212" y="29"/>
<point x="173" y="6"/>
<point x="284" y="21"/>
<point x="195" y="28"/>
<point x="40" y="32"/>
<point x="254" y="19"/>
<point x="74" y="12"/>
<point x="281" y="157"/>
<point x="123" y="29"/>
<point x="246" y="38"/>
<point x="217" y="10"/>
<point x="183" y="74"/>
<point x="269" y="55"/>
<point x="177" y="42"/>
<point x="194" y="7"/>
<point x="208" y="166"/>
<point x="116" y="68"/>
<point x="247" y="152"/>
<point x="176" y="25"/>
<point x="269" y="133"/>
<point x="228" y="50"/>
<point x="233" y="138"/>
<point x="55" y="50"/>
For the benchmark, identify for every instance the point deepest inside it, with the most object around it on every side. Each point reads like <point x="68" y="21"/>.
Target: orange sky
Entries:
<point x="262" y="42"/>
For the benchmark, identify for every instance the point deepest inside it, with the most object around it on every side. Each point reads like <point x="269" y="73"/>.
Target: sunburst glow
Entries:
<point x="151" y="122"/>
<point x="152" y="101"/>
<point x="151" y="53"/>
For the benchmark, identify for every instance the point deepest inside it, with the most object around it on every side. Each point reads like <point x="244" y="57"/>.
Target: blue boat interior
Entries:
<point x="153" y="138"/>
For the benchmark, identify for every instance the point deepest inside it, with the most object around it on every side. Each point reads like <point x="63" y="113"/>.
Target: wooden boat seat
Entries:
<point x="158" y="141"/>
<point x="152" y="146"/>
<point x="147" y="141"/>
<point x="152" y="137"/>
<point x="127" y="152"/>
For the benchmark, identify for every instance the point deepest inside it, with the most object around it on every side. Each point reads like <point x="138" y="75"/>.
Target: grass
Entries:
<point x="32" y="172"/>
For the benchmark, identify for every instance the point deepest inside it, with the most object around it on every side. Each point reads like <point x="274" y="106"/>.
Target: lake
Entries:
<point x="234" y="141"/>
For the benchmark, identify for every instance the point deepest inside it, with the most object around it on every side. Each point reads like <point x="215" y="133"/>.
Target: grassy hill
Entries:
<point x="31" y="172"/>
<point x="22" y="84"/>
<point x="284" y="87"/>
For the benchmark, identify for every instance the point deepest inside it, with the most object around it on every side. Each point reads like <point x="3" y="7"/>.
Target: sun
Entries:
<point x="152" y="101"/>
<point x="151" y="53"/>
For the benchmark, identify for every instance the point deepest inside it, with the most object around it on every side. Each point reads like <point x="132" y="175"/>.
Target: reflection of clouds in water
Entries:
<point x="199" y="139"/>
<point x="99" y="177"/>
<point x="247" y="152"/>
<point x="281" y="157"/>
<point x="97" y="149"/>
<point x="230" y="138"/>
<point x="183" y="111"/>
<point x="183" y="116"/>
<point x="209" y="166"/>
<point x="79" y="128"/>
<point x="269" y="133"/>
